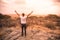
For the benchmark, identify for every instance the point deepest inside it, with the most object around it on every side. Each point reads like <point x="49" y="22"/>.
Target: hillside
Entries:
<point x="38" y="28"/>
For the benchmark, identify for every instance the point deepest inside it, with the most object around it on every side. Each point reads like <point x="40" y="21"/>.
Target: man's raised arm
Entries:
<point x="30" y="13"/>
<point x="17" y="13"/>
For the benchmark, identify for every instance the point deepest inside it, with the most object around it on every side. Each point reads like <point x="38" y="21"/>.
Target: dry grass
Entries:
<point x="48" y="24"/>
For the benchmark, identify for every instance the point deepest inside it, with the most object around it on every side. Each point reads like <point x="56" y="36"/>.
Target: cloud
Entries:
<point x="20" y="1"/>
<point x="38" y="6"/>
<point x="56" y="0"/>
<point x="13" y="1"/>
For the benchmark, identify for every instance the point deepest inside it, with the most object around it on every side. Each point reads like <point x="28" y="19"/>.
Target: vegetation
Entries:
<point x="50" y="21"/>
<point x="6" y="21"/>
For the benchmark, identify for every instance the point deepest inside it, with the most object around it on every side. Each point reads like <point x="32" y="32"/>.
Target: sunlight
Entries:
<point x="38" y="6"/>
<point x="38" y="2"/>
<point x="42" y="6"/>
<point x="8" y="1"/>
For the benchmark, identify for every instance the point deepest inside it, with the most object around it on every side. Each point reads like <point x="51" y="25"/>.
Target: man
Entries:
<point x="23" y="18"/>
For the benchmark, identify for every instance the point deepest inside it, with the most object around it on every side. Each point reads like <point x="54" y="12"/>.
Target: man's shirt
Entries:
<point x="23" y="19"/>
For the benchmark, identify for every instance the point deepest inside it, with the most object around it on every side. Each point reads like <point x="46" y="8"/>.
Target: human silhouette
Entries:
<point x="23" y="19"/>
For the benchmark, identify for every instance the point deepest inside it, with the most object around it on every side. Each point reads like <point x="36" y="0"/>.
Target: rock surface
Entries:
<point x="33" y="33"/>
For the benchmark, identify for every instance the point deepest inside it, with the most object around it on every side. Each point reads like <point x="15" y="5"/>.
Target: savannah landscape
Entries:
<point x="46" y="26"/>
<point x="38" y="28"/>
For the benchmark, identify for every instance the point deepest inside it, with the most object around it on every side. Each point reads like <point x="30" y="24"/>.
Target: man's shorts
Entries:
<point x="23" y="25"/>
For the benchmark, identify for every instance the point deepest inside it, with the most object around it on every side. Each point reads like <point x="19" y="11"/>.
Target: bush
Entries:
<point x="52" y="17"/>
<point x="50" y="25"/>
<point x="6" y="20"/>
<point x="58" y="22"/>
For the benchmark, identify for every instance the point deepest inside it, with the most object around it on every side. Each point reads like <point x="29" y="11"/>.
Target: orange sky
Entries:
<point x="40" y="7"/>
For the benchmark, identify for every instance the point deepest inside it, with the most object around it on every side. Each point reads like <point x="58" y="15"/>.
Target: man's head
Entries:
<point x="23" y="14"/>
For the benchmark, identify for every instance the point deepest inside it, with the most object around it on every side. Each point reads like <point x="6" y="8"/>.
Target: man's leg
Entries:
<point x="22" y="30"/>
<point x="25" y="29"/>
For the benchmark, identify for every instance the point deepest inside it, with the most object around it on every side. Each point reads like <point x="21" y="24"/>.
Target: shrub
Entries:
<point x="6" y="20"/>
<point x="50" y="25"/>
<point x="52" y="17"/>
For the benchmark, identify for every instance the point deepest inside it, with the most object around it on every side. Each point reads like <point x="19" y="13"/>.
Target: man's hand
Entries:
<point x="17" y="13"/>
<point x="30" y="13"/>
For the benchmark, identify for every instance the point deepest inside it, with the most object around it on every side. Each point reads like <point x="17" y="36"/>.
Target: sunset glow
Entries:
<point x="41" y="7"/>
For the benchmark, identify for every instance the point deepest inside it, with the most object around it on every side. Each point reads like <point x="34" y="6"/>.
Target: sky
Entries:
<point x="39" y="7"/>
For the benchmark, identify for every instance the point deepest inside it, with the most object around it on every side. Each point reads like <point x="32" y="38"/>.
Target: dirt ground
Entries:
<point x="34" y="32"/>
